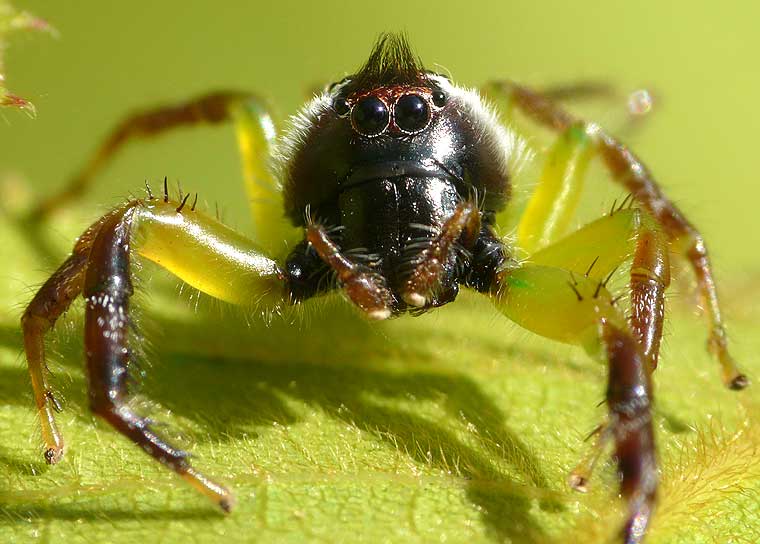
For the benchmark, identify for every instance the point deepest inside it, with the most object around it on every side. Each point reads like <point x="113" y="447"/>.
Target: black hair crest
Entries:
<point x="391" y="62"/>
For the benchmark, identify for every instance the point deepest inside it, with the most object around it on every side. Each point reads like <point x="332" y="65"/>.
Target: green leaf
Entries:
<point x="455" y="426"/>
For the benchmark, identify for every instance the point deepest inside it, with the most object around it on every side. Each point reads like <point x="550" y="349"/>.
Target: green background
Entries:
<point x="455" y="426"/>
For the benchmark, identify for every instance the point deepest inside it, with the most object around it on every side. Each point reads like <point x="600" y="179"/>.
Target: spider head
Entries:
<point x="389" y="120"/>
<point x="387" y="154"/>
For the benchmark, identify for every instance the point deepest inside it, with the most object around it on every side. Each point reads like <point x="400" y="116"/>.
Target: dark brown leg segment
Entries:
<point x="209" y="109"/>
<point x="365" y="288"/>
<point x="650" y="277"/>
<point x="629" y="398"/>
<point x="52" y="300"/>
<point x="107" y="290"/>
<point x="628" y="170"/>
<point x="632" y="173"/>
<point x="464" y="223"/>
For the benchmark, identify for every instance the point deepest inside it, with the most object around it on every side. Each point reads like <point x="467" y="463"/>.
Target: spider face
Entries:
<point x="387" y="154"/>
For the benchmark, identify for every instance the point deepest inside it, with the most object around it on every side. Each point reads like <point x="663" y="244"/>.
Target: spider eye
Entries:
<point x="439" y="98"/>
<point x="370" y="116"/>
<point x="341" y="107"/>
<point x="412" y="113"/>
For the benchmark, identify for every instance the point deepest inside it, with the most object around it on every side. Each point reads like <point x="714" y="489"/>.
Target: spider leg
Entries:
<point x="419" y="289"/>
<point x="364" y="288"/>
<point x="200" y="251"/>
<point x="544" y="300"/>
<point x="551" y="208"/>
<point x="628" y="170"/>
<point x="52" y="300"/>
<point x="255" y="133"/>
<point x="581" y="90"/>
<point x="581" y="474"/>
<point x="596" y="250"/>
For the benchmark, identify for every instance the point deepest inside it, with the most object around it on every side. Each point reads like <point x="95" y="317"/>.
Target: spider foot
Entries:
<point x="217" y="493"/>
<point x="733" y="378"/>
<point x="53" y="455"/>
<point x="581" y="474"/>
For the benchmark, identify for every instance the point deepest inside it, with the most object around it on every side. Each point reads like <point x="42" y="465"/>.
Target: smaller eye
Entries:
<point x="341" y="107"/>
<point x="439" y="98"/>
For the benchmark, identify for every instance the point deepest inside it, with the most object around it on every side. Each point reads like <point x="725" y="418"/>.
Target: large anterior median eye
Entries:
<point x="370" y="116"/>
<point x="411" y="113"/>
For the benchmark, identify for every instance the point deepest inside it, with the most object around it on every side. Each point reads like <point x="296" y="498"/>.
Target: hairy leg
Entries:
<point x="365" y="288"/>
<point x="52" y="300"/>
<point x="628" y="170"/>
<point x="255" y="131"/>
<point x="599" y="248"/>
<point x="595" y="252"/>
<point x="200" y="251"/>
<point x="544" y="300"/>
<point x="424" y="280"/>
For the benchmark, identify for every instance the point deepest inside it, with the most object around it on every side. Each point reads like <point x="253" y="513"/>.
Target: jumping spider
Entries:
<point x="413" y="169"/>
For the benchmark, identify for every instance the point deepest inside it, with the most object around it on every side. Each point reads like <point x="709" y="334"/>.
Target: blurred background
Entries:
<point x="699" y="61"/>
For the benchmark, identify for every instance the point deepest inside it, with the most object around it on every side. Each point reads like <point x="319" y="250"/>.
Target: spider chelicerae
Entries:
<point x="394" y="177"/>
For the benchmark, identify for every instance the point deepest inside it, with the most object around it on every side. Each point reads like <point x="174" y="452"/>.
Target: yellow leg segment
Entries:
<point x="547" y="301"/>
<point x="608" y="242"/>
<point x="207" y="255"/>
<point x="599" y="248"/>
<point x="553" y="204"/>
<point x="256" y="133"/>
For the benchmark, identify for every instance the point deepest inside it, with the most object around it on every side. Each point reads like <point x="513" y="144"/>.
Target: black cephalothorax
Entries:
<point x="389" y="154"/>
